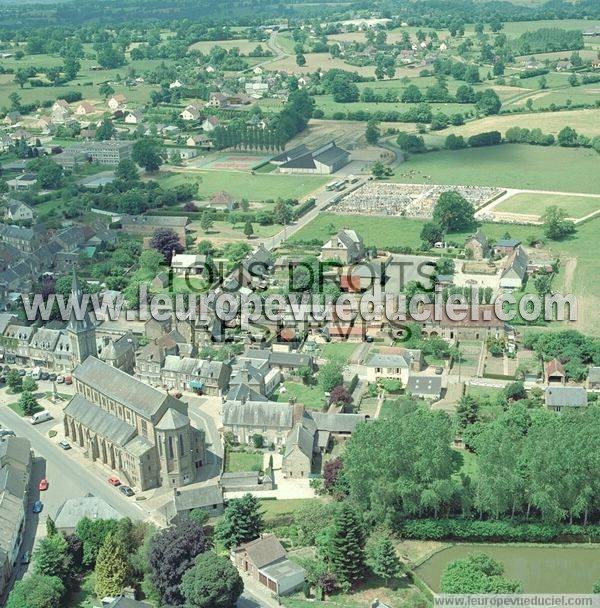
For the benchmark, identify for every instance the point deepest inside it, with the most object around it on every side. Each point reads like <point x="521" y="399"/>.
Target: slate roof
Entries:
<point x="74" y="509"/>
<point x="290" y="154"/>
<point x="378" y="360"/>
<point x="172" y="420"/>
<point x="429" y="386"/>
<point x="283" y="570"/>
<point x="269" y="414"/>
<point x="516" y="263"/>
<point x="100" y="421"/>
<point x="202" y="496"/>
<point x="594" y="374"/>
<point x="301" y="437"/>
<point x="508" y="243"/>
<point x="335" y="423"/>
<point x="123" y="388"/>
<point x="303" y="158"/>
<point x="565" y="396"/>
<point x="264" y="551"/>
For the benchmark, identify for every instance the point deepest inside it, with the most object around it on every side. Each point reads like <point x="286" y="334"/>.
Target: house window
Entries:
<point x="144" y="428"/>
<point x="180" y="445"/>
<point x="170" y="447"/>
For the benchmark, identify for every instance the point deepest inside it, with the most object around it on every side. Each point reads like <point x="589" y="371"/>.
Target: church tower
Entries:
<point x="82" y="332"/>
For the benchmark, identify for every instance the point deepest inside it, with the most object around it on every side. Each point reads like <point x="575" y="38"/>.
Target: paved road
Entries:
<point x="68" y="477"/>
<point x="323" y="199"/>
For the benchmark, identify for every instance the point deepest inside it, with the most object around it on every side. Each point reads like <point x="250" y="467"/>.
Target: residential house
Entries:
<point x="346" y="246"/>
<point x="73" y="510"/>
<point x="217" y="100"/>
<point x="191" y="112"/>
<point x="24" y="239"/>
<point x="210" y="124"/>
<point x="204" y="377"/>
<point x="151" y="358"/>
<point x="271" y="419"/>
<point x="182" y="501"/>
<point x="426" y="387"/>
<point x="266" y="561"/>
<point x="188" y="264"/>
<point x="60" y="105"/>
<point x="23" y="182"/>
<point x="175" y="84"/>
<point x="12" y="118"/>
<point x="199" y="140"/>
<point x="117" y="102"/>
<point x="478" y="245"/>
<point x="223" y="201"/>
<point x="134" y="117"/>
<point x="559" y="398"/>
<point x="15" y="471"/>
<point x="393" y="365"/>
<point x="563" y="64"/>
<point x="118" y="352"/>
<point x="85" y="108"/>
<point x="17" y="211"/>
<point x="465" y="322"/>
<point x="514" y="272"/>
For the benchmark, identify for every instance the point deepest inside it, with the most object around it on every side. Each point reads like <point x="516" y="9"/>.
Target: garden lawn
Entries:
<point x="257" y="187"/>
<point x="310" y="396"/>
<point x="507" y="165"/>
<point x="338" y="351"/>
<point x="274" y="509"/>
<point x="243" y="461"/>
<point x="536" y="204"/>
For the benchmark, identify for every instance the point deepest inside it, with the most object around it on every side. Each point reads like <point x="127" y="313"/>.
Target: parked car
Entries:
<point x="439" y="371"/>
<point x="26" y="558"/>
<point x="22" y="372"/>
<point x="6" y="433"/>
<point x="43" y="485"/>
<point x="60" y="379"/>
<point x="52" y="377"/>
<point x="114" y="481"/>
<point x="126" y="490"/>
<point x="68" y="380"/>
<point x="44" y="376"/>
<point x="38" y="506"/>
<point x="65" y="445"/>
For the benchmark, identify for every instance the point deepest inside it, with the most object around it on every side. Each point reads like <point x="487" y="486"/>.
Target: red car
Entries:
<point x="43" y="485"/>
<point x="114" y="481"/>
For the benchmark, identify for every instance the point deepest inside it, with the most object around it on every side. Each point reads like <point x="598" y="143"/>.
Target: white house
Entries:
<point x="117" y="102"/>
<point x="84" y="109"/>
<point x="191" y="112"/>
<point x="133" y="118"/>
<point x="210" y="124"/>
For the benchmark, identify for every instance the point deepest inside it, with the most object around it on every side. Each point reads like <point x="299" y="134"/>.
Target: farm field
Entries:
<point x="586" y="122"/>
<point x="257" y="187"/>
<point x="508" y="165"/>
<point x="535" y="204"/>
<point x="588" y="94"/>
<point x="245" y="46"/>
<point x="315" y="61"/>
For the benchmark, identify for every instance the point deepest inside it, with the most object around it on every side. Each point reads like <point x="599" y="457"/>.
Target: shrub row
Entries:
<point x="495" y="531"/>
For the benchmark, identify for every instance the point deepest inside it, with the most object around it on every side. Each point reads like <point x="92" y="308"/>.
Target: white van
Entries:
<point x="36" y="373"/>
<point x="41" y="417"/>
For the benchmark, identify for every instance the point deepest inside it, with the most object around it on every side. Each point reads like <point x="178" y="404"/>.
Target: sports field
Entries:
<point x="234" y="162"/>
<point x="509" y="166"/>
<point x="530" y="203"/>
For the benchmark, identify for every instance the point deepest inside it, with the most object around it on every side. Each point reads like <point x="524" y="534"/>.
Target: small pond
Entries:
<point x="541" y="569"/>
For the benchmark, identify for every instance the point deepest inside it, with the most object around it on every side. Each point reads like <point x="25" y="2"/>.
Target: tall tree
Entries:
<point x="166" y="241"/>
<point x="172" y="552"/>
<point x="112" y="568"/>
<point x="146" y="153"/>
<point x="346" y="552"/>
<point x="452" y="212"/>
<point x="51" y="558"/>
<point x="212" y="582"/>
<point x="242" y="522"/>
<point x="37" y="591"/>
<point x="383" y="560"/>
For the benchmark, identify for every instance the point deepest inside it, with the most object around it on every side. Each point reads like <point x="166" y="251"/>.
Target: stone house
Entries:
<point x="478" y="245"/>
<point x="346" y="246"/>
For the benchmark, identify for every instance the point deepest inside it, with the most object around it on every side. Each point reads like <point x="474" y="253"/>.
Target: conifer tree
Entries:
<point x="242" y="522"/>
<point x="383" y="560"/>
<point x="347" y="545"/>
<point x="112" y="568"/>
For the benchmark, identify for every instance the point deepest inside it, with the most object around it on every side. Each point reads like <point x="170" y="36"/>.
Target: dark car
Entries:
<point x="126" y="490"/>
<point x="44" y="376"/>
<point x="38" y="506"/>
<point x="26" y="558"/>
<point x="65" y="445"/>
<point x="52" y="377"/>
<point x="439" y="370"/>
<point x="22" y="372"/>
